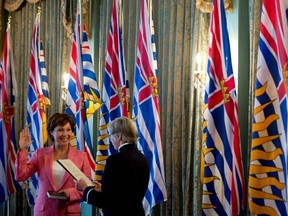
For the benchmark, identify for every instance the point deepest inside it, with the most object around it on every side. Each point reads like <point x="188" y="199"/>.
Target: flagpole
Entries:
<point x="8" y="28"/>
<point x="81" y="22"/>
<point x="120" y="17"/>
<point x="149" y="10"/>
<point x="8" y="22"/>
<point x="38" y="13"/>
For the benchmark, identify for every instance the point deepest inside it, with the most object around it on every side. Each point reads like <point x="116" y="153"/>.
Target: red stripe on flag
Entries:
<point x="281" y="91"/>
<point x="276" y="20"/>
<point x="144" y="93"/>
<point x="270" y="40"/>
<point x="215" y="99"/>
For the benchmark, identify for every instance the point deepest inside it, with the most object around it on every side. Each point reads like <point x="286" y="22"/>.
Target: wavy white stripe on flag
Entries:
<point x="92" y="95"/>
<point x="45" y="90"/>
<point x="102" y="143"/>
<point x="153" y="40"/>
<point x="91" y="90"/>
<point x="268" y="161"/>
<point x="146" y="111"/>
<point x="115" y="93"/>
<point x="222" y="172"/>
<point x="44" y="79"/>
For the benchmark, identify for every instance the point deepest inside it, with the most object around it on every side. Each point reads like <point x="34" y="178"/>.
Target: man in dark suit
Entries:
<point x="126" y="175"/>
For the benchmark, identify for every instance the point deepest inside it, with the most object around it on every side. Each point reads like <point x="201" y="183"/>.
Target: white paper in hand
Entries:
<point x="74" y="171"/>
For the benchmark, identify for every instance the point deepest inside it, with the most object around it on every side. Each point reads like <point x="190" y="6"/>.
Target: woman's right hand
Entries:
<point x="25" y="139"/>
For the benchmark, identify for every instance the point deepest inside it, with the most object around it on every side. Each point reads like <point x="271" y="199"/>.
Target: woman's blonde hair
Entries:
<point x="126" y="127"/>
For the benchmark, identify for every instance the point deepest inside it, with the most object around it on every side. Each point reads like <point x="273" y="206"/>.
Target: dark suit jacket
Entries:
<point x="124" y="183"/>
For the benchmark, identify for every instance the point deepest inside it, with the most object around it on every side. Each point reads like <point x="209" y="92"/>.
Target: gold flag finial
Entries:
<point x="9" y="22"/>
<point x="39" y="10"/>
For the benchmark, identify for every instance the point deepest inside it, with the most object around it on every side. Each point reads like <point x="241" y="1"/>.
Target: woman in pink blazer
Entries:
<point x="51" y="176"/>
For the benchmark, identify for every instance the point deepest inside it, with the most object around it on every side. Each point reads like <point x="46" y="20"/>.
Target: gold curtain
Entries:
<point x="182" y="33"/>
<point x="13" y="5"/>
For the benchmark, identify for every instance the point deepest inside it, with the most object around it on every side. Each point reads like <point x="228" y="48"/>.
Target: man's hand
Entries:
<point x="98" y="186"/>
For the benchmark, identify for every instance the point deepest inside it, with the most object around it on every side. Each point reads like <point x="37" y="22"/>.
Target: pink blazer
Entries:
<point x="41" y="162"/>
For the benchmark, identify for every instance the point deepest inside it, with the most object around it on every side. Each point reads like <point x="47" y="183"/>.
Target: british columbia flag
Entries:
<point x="3" y="179"/>
<point x="37" y="103"/>
<point x="8" y="140"/>
<point x="146" y="109"/>
<point x="83" y="97"/>
<point x="267" y="186"/>
<point x="222" y="170"/>
<point x="115" y="89"/>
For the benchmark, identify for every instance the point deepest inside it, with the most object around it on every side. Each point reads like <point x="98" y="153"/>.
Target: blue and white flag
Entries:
<point x="268" y="177"/>
<point x="8" y="96"/>
<point x="146" y="110"/>
<point x="83" y="97"/>
<point x="3" y="150"/>
<point x="37" y="102"/>
<point x="115" y="89"/>
<point x="222" y="169"/>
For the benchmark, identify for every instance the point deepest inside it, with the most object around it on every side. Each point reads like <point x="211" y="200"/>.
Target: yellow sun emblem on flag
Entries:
<point x="8" y="112"/>
<point x="285" y="76"/>
<point x="121" y="95"/>
<point x="153" y="85"/>
<point x="41" y="103"/>
<point x="224" y="89"/>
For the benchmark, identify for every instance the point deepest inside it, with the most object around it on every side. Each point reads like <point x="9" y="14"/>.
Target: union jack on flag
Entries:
<point x="7" y="139"/>
<point x="146" y="110"/>
<point x="3" y="150"/>
<point x="267" y="186"/>
<point x="222" y="169"/>
<point x="37" y="102"/>
<point x="83" y="95"/>
<point x="115" y="89"/>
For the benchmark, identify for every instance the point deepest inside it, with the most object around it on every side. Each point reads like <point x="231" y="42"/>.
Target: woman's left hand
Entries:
<point x="66" y="192"/>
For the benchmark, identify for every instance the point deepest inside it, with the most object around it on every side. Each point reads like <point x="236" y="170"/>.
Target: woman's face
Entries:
<point x="62" y="134"/>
